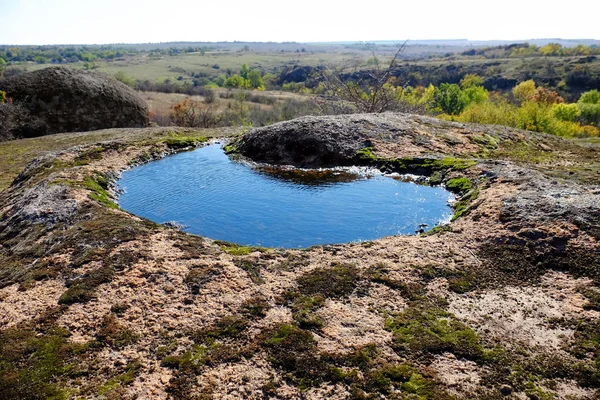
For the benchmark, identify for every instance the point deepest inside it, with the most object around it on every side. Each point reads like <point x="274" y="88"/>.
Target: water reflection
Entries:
<point x="308" y="177"/>
<point x="215" y="197"/>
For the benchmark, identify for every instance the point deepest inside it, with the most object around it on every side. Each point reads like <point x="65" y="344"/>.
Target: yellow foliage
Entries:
<point x="501" y="113"/>
<point x="524" y="90"/>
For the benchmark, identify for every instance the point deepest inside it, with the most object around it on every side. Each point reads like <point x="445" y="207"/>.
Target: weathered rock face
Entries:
<point x="330" y="141"/>
<point x="65" y="100"/>
<point x="305" y="142"/>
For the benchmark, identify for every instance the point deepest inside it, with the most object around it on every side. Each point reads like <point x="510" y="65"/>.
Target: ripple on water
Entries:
<point x="216" y="197"/>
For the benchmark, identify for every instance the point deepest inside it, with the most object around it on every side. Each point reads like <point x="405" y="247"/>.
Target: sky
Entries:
<point x="153" y="21"/>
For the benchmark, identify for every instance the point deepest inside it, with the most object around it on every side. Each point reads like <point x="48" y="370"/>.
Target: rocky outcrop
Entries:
<point x="66" y="100"/>
<point x="329" y="141"/>
<point x="305" y="142"/>
<point x="502" y="302"/>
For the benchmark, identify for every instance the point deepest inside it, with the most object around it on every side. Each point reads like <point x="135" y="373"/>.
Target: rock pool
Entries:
<point x="222" y="199"/>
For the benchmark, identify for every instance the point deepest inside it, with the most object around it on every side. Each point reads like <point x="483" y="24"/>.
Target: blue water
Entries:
<point x="221" y="199"/>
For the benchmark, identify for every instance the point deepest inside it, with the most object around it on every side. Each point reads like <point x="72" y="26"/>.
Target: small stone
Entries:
<point x="165" y="379"/>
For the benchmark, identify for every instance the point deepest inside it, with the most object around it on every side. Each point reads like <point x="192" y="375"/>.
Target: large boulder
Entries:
<point x="308" y="142"/>
<point x="61" y="99"/>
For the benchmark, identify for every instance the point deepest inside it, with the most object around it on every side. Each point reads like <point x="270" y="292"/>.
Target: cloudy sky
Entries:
<point x="142" y="21"/>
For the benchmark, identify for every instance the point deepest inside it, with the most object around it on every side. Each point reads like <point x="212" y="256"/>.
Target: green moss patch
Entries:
<point x="462" y="205"/>
<point x="404" y="378"/>
<point x="98" y="185"/>
<point x="236" y="249"/>
<point x="459" y="185"/>
<point x="337" y="281"/>
<point x="181" y="142"/>
<point x="293" y="350"/>
<point x="423" y="330"/>
<point x="36" y="358"/>
<point x="366" y="155"/>
<point x="379" y="273"/>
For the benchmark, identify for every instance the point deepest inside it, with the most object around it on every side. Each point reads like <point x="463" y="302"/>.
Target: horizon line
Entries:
<point x="311" y="42"/>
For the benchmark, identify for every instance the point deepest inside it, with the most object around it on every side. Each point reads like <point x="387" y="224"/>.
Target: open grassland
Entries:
<point x="161" y="67"/>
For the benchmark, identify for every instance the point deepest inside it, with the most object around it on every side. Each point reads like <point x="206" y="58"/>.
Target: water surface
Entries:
<point x="215" y="197"/>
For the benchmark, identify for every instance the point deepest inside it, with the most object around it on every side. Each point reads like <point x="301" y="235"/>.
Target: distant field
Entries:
<point x="159" y="68"/>
<point x="179" y="67"/>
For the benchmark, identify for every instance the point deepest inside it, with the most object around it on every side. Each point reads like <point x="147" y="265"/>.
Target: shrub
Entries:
<point x="589" y="104"/>
<point x="590" y="97"/>
<point x="449" y="99"/>
<point x="499" y="113"/>
<point x="121" y="77"/>
<point x="235" y="81"/>
<point x="523" y="90"/>
<point x="590" y="113"/>
<point x="191" y="113"/>
<point x="210" y="96"/>
<point x="545" y="96"/>
<point x="535" y="117"/>
<point x="566" y="112"/>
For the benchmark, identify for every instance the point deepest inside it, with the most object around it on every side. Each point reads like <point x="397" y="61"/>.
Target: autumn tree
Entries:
<point x="545" y="96"/>
<point x="191" y="113"/>
<point x="523" y="90"/>
<point x="551" y="49"/>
